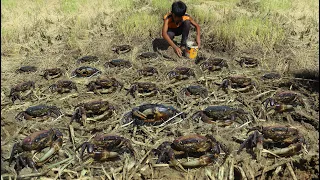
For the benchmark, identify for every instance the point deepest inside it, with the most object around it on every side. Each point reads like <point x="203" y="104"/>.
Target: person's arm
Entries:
<point x="196" y="25"/>
<point x="167" y="38"/>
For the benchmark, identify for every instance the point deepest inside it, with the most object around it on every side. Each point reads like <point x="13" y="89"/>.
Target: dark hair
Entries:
<point x="179" y="8"/>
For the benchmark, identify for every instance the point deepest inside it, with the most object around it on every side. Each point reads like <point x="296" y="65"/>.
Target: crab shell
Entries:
<point x="148" y="71"/>
<point x="26" y="69"/>
<point x="39" y="111"/>
<point x="191" y="144"/>
<point x="195" y="90"/>
<point x="52" y="73"/>
<point x="118" y="63"/>
<point x="248" y="62"/>
<point x="97" y="107"/>
<point x="88" y="59"/>
<point x="104" y="83"/>
<point x="238" y="83"/>
<point x="214" y="64"/>
<point x="147" y="55"/>
<point x="279" y="133"/>
<point x="181" y="73"/>
<point x="271" y="75"/>
<point x="150" y="114"/>
<point x="212" y="114"/>
<point x="63" y="86"/>
<point x="284" y="101"/>
<point x="85" y="71"/>
<point x="21" y="87"/>
<point x="288" y="139"/>
<point x="121" y="49"/>
<point x="104" y="146"/>
<point x="144" y="89"/>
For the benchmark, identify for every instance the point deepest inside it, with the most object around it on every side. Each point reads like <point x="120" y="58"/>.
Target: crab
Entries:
<point x="85" y="71"/>
<point x="214" y="64"/>
<point x="248" y="62"/>
<point x="238" y="83"/>
<point x="144" y="89"/>
<point x="195" y="90"/>
<point x="205" y="148"/>
<point x="88" y="59"/>
<point x="181" y="73"/>
<point x="199" y="59"/>
<point x="288" y="139"/>
<point x="121" y="49"/>
<point x="105" y="85"/>
<point x="99" y="109"/>
<point x="24" y="69"/>
<point x="271" y="75"/>
<point x="39" y="111"/>
<point x="52" y="73"/>
<point x="63" y="86"/>
<point x="151" y="114"/>
<point x="215" y="114"/>
<point x="284" y="101"/>
<point x="147" y="55"/>
<point x="118" y="63"/>
<point x="24" y="87"/>
<point x="104" y="146"/>
<point x="36" y="141"/>
<point x="147" y="71"/>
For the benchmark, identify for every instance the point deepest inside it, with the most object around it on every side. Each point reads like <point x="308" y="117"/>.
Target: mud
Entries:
<point x="304" y="164"/>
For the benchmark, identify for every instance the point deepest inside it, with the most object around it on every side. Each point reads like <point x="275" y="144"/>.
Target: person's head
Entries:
<point x="178" y="9"/>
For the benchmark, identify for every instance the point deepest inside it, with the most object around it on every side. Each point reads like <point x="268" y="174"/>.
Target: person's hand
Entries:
<point x="178" y="51"/>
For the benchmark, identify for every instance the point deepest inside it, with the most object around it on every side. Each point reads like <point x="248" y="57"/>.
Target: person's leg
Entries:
<point x="185" y="32"/>
<point x="171" y="34"/>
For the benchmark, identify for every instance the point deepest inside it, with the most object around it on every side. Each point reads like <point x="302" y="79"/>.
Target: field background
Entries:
<point x="282" y="34"/>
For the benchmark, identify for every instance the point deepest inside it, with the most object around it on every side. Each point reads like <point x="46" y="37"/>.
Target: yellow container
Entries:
<point x="192" y="50"/>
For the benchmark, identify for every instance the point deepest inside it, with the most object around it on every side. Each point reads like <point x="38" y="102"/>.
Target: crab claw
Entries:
<point x="268" y="101"/>
<point x="289" y="151"/>
<point x="283" y="107"/>
<point x="139" y="114"/>
<point x="224" y="84"/>
<point x="103" y="155"/>
<point x="201" y="161"/>
<point x="177" y="165"/>
<point x="54" y="148"/>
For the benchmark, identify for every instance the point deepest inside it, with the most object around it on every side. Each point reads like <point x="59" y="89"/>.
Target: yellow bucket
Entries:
<point x="191" y="50"/>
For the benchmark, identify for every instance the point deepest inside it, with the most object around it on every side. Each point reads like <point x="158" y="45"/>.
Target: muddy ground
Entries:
<point x="302" y="165"/>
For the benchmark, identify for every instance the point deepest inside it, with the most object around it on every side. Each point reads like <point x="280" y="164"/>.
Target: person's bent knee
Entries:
<point x="187" y="23"/>
<point x="171" y="34"/>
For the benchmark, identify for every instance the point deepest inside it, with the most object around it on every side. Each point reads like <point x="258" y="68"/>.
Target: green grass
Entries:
<point x="250" y="31"/>
<point x="139" y="25"/>
<point x="71" y="6"/>
<point x="161" y="6"/>
<point x="275" y="5"/>
<point x="122" y="4"/>
<point x="202" y="16"/>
